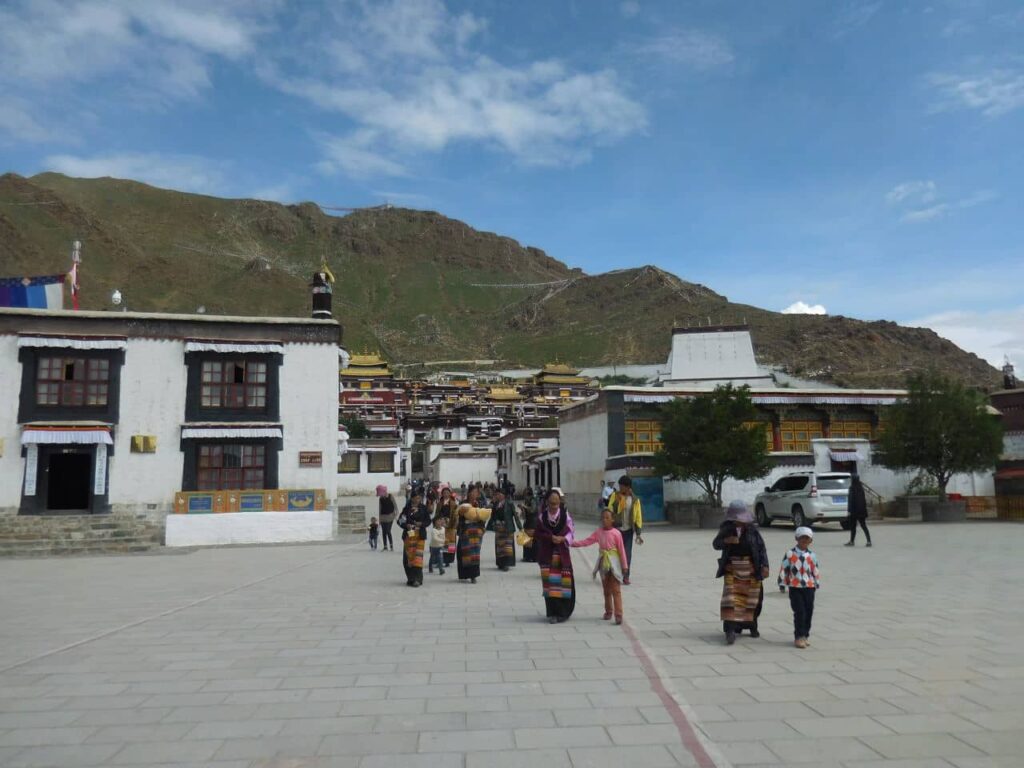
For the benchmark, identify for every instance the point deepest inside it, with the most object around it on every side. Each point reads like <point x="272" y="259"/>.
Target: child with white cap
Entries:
<point x="800" y="573"/>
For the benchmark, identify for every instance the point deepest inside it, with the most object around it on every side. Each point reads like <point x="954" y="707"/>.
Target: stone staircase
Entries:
<point x="351" y="518"/>
<point x="43" y="535"/>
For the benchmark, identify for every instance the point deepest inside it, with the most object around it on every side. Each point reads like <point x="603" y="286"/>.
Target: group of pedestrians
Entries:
<point x="744" y="566"/>
<point x="452" y="528"/>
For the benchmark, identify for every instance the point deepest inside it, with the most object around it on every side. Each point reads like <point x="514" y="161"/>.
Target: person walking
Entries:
<point x="800" y="573"/>
<point x="857" y="505"/>
<point x="744" y="565"/>
<point x="554" y="535"/>
<point x="528" y="517"/>
<point x="374" y="530"/>
<point x="387" y="508"/>
<point x="414" y="522"/>
<point x="437" y="544"/>
<point x="504" y="522"/>
<point x="471" y="517"/>
<point x="629" y="518"/>
<point x="446" y="508"/>
<point x="611" y="563"/>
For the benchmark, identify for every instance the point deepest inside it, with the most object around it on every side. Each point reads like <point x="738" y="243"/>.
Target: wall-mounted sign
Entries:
<point x="311" y="458"/>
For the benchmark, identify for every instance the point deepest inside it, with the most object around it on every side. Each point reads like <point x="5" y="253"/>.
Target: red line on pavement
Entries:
<point x="683" y="725"/>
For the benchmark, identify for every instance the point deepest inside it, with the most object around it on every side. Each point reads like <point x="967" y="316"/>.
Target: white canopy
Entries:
<point x="64" y="436"/>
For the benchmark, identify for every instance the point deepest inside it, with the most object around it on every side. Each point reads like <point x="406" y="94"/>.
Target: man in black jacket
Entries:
<point x="857" y="505"/>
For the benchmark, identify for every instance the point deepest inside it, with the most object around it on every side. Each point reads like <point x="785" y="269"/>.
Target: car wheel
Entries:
<point x="799" y="518"/>
<point x="762" y="517"/>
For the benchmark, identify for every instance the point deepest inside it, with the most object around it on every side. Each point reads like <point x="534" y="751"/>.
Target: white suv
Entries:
<point x="805" y="498"/>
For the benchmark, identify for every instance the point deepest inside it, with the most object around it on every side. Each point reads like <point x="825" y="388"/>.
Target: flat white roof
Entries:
<point x="195" y="318"/>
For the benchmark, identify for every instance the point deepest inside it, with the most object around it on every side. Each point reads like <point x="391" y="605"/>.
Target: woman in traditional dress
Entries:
<point x="553" y="536"/>
<point x="414" y="522"/>
<point x="529" y="519"/>
<point x="744" y="564"/>
<point x="471" y="519"/>
<point x="446" y="508"/>
<point x="504" y="522"/>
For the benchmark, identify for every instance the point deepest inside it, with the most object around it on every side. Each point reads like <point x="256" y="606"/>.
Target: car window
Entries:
<point x="833" y="483"/>
<point x="797" y="483"/>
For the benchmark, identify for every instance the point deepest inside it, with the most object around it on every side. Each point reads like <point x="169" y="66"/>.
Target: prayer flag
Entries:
<point x="46" y="292"/>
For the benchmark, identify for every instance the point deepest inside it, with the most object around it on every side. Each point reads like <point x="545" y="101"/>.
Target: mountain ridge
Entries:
<point x="418" y="285"/>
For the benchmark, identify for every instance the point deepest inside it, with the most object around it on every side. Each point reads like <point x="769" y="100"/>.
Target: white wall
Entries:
<point x="464" y="469"/>
<point x="309" y="413"/>
<point x="12" y="466"/>
<point x="153" y="383"/>
<point x="583" y="448"/>
<point x="364" y="482"/>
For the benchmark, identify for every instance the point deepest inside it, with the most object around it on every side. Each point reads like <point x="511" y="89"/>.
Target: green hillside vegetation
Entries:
<point x="408" y="283"/>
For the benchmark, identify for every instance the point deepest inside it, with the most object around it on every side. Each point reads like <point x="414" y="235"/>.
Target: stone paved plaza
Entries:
<point x="321" y="656"/>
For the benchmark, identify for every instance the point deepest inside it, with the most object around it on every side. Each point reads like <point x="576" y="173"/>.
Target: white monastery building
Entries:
<point x="172" y="416"/>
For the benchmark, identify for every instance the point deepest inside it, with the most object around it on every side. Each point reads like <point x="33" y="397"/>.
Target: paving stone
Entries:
<point x="652" y="756"/>
<point x="922" y="745"/>
<point x="818" y="751"/>
<point x="466" y="741"/>
<point x="167" y="752"/>
<point x="66" y="757"/>
<point x="520" y="758"/>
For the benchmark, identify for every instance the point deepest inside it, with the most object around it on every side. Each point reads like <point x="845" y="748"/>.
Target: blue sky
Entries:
<point x="864" y="157"/>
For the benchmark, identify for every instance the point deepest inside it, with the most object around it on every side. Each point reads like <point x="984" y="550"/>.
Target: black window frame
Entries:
<point x="29" y="410"/>
<point x="369" y="462"/>
<point x="271" y="459"/>
<point x="194" y="410"/>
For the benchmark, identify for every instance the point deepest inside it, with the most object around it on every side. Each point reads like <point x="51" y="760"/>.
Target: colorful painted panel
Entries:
<point x="216" y="502"/>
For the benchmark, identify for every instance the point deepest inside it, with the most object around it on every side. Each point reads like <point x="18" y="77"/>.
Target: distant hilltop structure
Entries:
<point x="712" y="355"/>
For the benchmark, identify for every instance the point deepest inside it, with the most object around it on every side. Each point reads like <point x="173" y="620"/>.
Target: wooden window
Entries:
<point x="381" y="461"/>
<point x="797" y="435"/>
<point x="850" y="429"/>
<point x="349" y="463"/>
<point x="72" y="381"/>
<point x="235" y="384"/>
<point x="643" y="436"/>
<point x="231" y="466"/>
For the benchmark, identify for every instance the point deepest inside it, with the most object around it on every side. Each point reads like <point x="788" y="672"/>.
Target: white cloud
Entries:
<point x="629" y="8"/>
<point x="19" y="124"/>
<point x="418" y="86"/>
<point x="852" y="16"/>
<point x="151" y="51"/>
<point x="992" y="93"/>
<point x="991" y="335"/>
<point x="938" y="210"/>
<point x="802" y="308"/>
<point x="920" y="201"/>
<point x="181" y="172"/>
<point x="352" y="155"/>
<point x="911" y="191"/>
<point x="692" y="48"/>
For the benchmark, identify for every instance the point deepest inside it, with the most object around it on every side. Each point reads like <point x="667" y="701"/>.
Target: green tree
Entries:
<point x="711" y="437"/>
<point x="356" y="427"/>
<point x="941" y="428"/>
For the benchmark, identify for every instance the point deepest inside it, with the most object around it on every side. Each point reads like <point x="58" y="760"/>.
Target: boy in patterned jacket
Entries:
<point x="800" y="573"/>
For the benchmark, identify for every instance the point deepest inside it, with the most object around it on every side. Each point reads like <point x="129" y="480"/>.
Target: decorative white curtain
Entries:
<point x="230" y="432"/>
<point x="234" y="347"/>
<point x="63" y="342"/>
<point x="66" y="437"/>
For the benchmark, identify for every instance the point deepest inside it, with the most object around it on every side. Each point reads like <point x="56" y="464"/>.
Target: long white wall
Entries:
<point x="583" y="448"/>
<point x="468" y="469"/>
<point x="12" y="466"/>
<point x="153" y="384"/>
<point x="309" y="413"/>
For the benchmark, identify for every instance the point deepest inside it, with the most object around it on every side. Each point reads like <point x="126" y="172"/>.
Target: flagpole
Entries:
<point x="76" y="261"/>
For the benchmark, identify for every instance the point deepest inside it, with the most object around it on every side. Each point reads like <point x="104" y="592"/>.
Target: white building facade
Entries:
<point x="118" y="412"/>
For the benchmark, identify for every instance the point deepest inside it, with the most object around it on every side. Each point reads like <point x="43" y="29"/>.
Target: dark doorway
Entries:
<point x="68" y="481"/>
<point x="844" y="466"/>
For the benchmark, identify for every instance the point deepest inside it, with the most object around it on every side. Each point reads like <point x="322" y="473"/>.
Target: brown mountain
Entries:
<point x="415" y="284"/>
